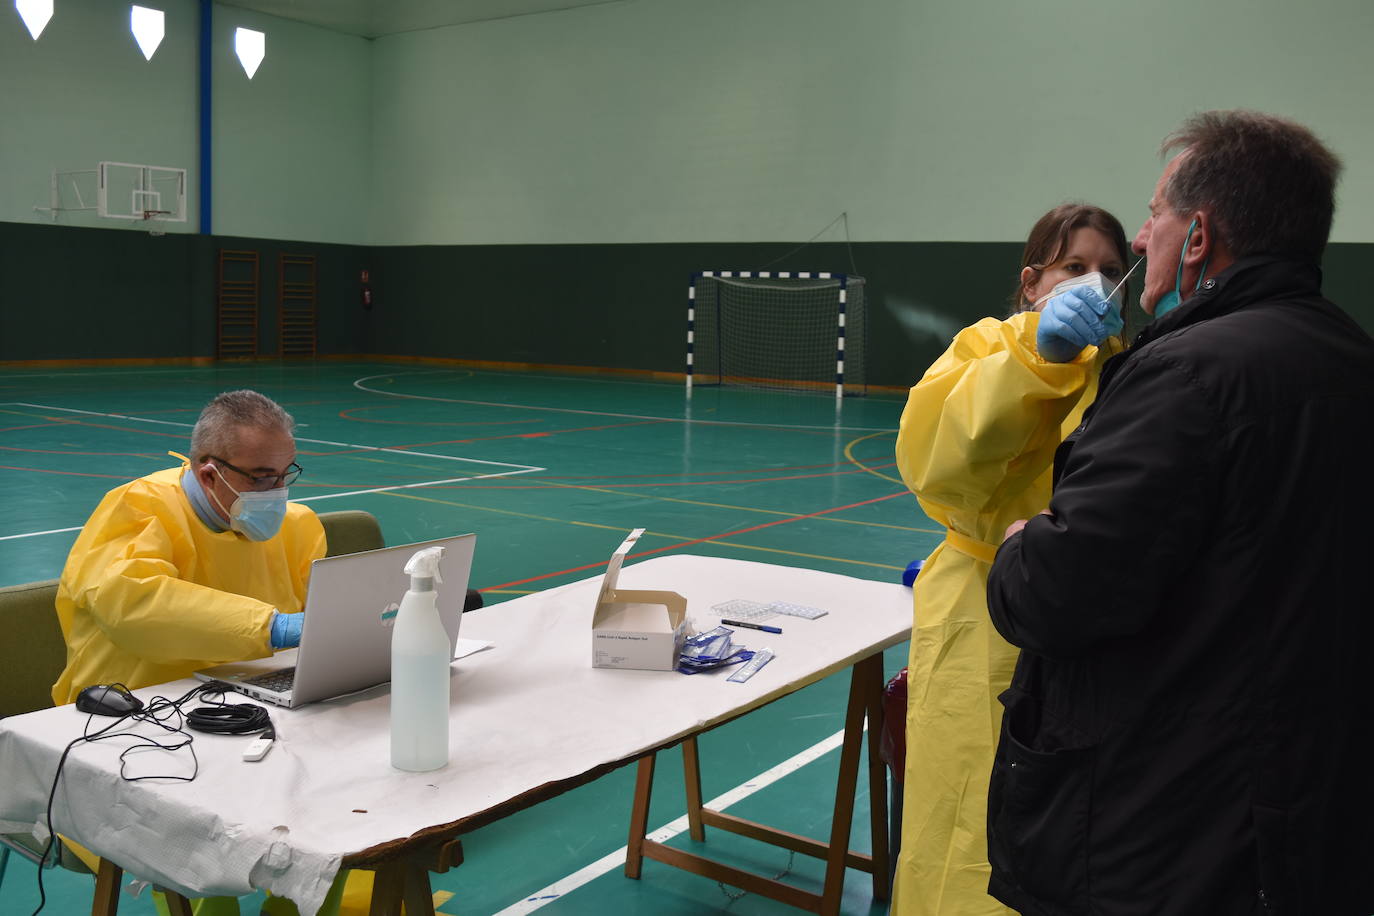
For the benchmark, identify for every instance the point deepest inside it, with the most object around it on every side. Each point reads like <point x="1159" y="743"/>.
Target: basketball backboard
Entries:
<point x="129" y="191"/>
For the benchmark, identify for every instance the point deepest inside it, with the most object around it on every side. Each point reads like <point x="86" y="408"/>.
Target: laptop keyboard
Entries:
<point x="279" y="681"/>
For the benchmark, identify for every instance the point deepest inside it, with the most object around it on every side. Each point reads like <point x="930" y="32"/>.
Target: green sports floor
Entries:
<point x="551" y="471"/>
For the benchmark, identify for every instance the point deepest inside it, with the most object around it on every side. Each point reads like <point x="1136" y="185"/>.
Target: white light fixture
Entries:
<point x="35" y="14"/>
<point x="251" y="47"/>
<point x="147" y="26"/>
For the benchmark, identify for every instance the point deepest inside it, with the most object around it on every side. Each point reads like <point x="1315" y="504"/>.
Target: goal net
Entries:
<point x="797" y="330"/>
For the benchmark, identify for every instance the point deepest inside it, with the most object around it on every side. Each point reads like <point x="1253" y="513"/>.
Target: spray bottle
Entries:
<point x="420" y="656"/>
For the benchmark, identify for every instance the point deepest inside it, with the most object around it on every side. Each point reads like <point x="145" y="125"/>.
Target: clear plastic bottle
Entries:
<point x="420" y="657"/>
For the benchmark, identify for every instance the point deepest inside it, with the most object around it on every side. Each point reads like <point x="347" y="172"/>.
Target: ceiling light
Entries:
<point x="147" y="26"/>
<point x="251" y="47"/>
<point x="35" y="14"/>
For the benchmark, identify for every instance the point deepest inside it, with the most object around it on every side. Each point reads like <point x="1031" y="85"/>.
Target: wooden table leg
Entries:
<point x="406" y="880"/>
<point x="877" y="792"/>
<point x="106" y="901"/>
<point x="388" y="886"/>
<point x="691" y="774"/>
<point x="419" y="898"/>
<point x="866" y="678"/>
<point x="639" y="817"/>
<point x="177" y="905"/>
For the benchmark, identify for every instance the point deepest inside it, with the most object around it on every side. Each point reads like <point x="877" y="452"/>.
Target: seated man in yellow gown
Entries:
<point x="194" y="566"/>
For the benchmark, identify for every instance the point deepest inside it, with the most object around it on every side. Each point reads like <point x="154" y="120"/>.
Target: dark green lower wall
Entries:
<point x="76" y="293"/>
<point x="112" y="294"/>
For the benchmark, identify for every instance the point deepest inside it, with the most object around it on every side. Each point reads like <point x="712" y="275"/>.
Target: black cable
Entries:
<point x="231" y="719"/>
<point x="166" y="714"/>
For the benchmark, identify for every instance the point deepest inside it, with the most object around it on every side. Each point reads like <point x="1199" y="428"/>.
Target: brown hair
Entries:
<point x="1269" y="183"/>
<point x="1049" y="238"/>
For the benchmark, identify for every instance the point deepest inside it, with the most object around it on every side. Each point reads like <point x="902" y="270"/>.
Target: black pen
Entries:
<point x="752" y="626"/>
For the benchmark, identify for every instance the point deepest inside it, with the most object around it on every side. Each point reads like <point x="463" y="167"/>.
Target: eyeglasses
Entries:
<point x="266" y="481"/>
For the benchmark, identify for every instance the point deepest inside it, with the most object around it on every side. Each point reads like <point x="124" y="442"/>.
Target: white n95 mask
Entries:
<point x="1094" y="281"/>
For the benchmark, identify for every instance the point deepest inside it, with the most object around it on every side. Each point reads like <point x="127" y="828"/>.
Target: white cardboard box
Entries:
<point x="639" y="628"/>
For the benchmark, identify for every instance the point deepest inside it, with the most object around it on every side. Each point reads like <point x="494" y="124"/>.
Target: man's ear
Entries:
<point x="1202" y="244"/>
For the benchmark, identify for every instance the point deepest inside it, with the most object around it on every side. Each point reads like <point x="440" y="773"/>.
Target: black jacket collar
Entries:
<point x="1251" y="279"/>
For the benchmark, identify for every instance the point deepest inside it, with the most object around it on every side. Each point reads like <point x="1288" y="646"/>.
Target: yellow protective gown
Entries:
<point x="150" y="593"/>
<point x="976" y="446"/>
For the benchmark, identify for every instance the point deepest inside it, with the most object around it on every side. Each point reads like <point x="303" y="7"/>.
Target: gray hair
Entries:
<point x="1268" y="182"/>
<point x="217" y="430"/>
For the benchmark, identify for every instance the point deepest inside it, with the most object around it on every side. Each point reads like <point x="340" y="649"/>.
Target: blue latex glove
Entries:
<point x="1072" y="320"/>
<point x="286" y="629"/>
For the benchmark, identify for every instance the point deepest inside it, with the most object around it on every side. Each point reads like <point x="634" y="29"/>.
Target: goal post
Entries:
<point x="801" y="330"/>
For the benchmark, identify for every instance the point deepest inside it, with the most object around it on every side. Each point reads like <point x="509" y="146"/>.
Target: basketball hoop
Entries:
<point x="155" y="217"/>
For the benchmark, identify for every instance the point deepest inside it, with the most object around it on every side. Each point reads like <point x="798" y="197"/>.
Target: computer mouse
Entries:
<point x="108" y="700"/>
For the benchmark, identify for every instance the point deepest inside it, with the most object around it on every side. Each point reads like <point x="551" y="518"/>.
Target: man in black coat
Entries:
<point x="1187" y="731"/>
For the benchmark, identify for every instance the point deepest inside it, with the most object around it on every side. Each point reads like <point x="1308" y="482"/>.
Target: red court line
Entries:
<point x="348" y="415"/>
<point x="680" y="545"/>
<point x="10" y="429"/>
<point x="6" y="467"/>
<point x="785" y="467"/>
<point x="54" y="451"/>
<point x="123" y="429"/>
<point x="541" y="484"/>
<point x="551" y="432"/>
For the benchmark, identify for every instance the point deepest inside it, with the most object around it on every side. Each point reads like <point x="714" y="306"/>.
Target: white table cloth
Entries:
<point x="527" y="715"/>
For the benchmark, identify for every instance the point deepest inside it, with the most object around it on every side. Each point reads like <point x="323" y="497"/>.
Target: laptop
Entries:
<point x="350" y="606"/>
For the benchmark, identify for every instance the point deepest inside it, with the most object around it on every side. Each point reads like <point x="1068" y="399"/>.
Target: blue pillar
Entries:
<point x="207" y="16"/>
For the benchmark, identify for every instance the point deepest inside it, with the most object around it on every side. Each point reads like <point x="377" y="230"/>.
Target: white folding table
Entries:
<point x="531" y="718"/>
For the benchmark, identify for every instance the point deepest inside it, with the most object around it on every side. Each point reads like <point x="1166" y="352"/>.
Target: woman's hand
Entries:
<point x="1020" y="523"/>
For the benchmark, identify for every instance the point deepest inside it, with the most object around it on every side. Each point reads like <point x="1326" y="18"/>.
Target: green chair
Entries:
<point x="30" y="661"/>
<point x="33" y="653"/>
<point x="350" y="531"/>
<point x="353" y="531"/>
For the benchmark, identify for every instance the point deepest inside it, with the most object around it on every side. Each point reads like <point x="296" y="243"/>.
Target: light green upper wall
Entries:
<point x="83" y="94"/>
<point x="761" y="120"/>
<point x="291" y="146"/>
<point x="682" y="120"/>
<point x="292" y="150"/>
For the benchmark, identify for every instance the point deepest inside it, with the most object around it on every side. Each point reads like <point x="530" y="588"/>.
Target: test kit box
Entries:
<point x="639" y="628"/>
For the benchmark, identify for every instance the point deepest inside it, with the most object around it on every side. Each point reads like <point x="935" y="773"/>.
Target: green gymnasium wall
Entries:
<point x="761" y="120"/>
<point x="538" y="189"/>
<point x="594" y="306"/>
<point x="291" y="147"/>
<point x="88" y="294"/>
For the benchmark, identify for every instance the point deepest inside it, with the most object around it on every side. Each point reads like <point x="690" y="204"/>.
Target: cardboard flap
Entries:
<point x="608" y="581"/>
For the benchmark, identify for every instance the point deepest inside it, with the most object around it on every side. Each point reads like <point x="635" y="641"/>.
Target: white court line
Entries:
<point x="599" y="413"/>
<point x="614" y="860"/>
<point x="34" y="534"/>
<point x="522" y="468"/>
<point x="518" y="468"/>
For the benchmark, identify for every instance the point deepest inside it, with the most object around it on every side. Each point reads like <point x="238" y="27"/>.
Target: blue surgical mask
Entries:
<point x="257" y="515"/>
<point x="1174" y="297"/>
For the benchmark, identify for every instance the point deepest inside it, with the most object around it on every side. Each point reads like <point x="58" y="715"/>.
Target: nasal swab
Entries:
<point x="1125" y="278"/>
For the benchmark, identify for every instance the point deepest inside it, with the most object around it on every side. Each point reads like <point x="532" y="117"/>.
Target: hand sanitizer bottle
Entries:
<point x="420" y="656"/>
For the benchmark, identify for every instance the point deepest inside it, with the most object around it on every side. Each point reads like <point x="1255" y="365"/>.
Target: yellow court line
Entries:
<point x="20" y="413"/>
<point x="698" y="502"/>
<point x="849" y="454"/>
<point x="677" y="537"/>
<point x="387" y="461"/>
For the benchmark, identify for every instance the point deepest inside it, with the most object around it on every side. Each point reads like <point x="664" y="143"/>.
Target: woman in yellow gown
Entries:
<point x="976" y="445"/>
